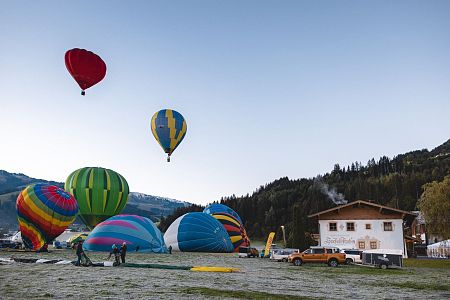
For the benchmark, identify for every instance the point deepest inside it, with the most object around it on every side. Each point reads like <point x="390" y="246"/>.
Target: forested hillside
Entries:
<point x="395" y="182"/>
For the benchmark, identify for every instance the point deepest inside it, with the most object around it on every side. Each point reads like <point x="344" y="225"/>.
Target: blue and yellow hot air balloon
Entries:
<point x="169" y="129"/>
<point x="231" y="222"/>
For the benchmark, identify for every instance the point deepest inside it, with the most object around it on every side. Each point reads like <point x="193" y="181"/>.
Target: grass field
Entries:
<point x="257" y="279"/>
<point x="427" y="263"/>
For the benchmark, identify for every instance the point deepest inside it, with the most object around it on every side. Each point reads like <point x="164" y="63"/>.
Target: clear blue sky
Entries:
<point x="268" y="88"/>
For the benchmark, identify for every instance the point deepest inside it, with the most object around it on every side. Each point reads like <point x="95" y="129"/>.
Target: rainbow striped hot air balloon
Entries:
<point x="136" y="231"/>
<point x="169" y="129"/>
<point x="44" y="212"/>
<point x="100" y="193"/>
<point x="231" y="222"/>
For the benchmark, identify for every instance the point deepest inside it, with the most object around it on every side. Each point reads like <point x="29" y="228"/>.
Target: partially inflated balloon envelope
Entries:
<point x="100" y="193"/>
<point x="231" y="222"/>
<point x="86" y="67"/>
<point x="197" y="232"/>
<point x="169" y="129"/>
<point x="136" y="231"/>
<point x="44" y="212"/>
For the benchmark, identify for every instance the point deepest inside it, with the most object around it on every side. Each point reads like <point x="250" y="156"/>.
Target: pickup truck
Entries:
<point x="328" y="255"/>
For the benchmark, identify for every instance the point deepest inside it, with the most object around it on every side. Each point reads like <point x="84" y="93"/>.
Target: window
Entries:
<point x="318" y="251"/>
<point x="333" y="226"/>
<point x="387" y="226"/>
<point x="373" y="245"/>
<point x="352" y="252"/>
<point x="361" y="245"/>
<point x="368" y="226"/>
<point x="351" y="226"/>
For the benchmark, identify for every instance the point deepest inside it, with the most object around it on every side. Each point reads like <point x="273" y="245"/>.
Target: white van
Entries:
<point x="282" y="254"/>
<point x="352" y="256"/>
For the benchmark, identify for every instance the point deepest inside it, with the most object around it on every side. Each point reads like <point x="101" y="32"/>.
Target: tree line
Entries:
<point x="397" y="182"/>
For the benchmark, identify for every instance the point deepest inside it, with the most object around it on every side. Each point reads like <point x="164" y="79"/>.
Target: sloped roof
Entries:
<point x="359" y="202"/>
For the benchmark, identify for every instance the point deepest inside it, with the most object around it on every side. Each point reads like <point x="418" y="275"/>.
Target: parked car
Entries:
<point x="352" y="255"/>
<point x="282" y="254"/>
<point x="318" y="254"/>
<point x="248" y="252"/>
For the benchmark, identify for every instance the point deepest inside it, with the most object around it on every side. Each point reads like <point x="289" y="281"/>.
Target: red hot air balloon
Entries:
<point x="86" y="67"/>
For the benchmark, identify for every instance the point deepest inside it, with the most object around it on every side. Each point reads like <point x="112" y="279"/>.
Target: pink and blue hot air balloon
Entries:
<point x="136" y="231"/>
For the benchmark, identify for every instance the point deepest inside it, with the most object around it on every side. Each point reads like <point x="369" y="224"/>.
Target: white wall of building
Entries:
<point x="351" y="239"/>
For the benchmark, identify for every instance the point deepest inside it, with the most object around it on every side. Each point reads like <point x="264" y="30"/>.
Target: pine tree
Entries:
<point x="298" y="229"/>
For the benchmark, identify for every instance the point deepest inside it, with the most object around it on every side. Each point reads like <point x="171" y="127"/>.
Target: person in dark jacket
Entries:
<point x="80" y="252"/>
<point x="123" y="252"/>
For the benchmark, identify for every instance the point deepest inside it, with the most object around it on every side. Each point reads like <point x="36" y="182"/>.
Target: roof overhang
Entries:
<point x="405" y="214"/>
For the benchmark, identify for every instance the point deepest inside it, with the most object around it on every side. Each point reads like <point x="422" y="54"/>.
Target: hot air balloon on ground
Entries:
<point x="168" y="128"/>
<point x="220" y="208"/>
<point x="134" y="230"/>
<point x="198" y="232"/>
<point x="44" y="212"/>
<point x="100" y="193"/>
<point x="231" y="222"/>
<point x="86" y="67"/>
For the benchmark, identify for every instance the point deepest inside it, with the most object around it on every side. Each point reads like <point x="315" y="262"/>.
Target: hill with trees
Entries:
<point x="397" y="182"/>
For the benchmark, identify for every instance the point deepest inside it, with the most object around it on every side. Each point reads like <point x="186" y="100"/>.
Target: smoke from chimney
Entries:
<point x="332" y="193"/>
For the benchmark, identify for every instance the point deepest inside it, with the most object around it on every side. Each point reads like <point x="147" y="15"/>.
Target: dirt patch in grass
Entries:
<point x="421" y="286"/>
<point x="210" y="292"/>
<point x="359" y="270"/>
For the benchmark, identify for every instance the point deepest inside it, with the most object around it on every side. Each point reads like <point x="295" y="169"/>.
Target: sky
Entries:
<point x="268" y="88"/>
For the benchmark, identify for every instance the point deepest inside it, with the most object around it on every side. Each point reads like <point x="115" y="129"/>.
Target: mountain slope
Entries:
<point x="11" y="184"/>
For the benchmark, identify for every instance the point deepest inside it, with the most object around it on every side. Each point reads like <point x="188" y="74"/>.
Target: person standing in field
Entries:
<point x="123" y="252"/>
<point x="115" y="251"/>
<point x="80" y="252"/>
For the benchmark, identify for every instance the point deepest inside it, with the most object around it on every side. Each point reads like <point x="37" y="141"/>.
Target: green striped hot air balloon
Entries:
<point x="100" y="193"/>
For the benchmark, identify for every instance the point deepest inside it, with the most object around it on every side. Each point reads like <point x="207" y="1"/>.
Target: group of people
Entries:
<point x="119" y="254"/>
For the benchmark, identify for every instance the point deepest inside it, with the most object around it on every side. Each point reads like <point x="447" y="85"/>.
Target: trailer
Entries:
<point x="383" y="258"/>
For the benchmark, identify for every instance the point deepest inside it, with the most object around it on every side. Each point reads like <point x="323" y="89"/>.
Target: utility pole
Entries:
<point x="284" y="235"/>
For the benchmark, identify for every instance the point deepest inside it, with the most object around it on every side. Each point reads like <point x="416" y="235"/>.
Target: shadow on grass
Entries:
<point x="418" y="286"/>
<point x="209" y="292"/>
<point x="349" y="269"/>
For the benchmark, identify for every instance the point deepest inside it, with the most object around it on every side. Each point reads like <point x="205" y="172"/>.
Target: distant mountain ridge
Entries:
<point x="11" y="184"/>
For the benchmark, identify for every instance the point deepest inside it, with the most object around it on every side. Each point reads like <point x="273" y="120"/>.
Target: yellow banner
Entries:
<point x="269" y="243"/>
